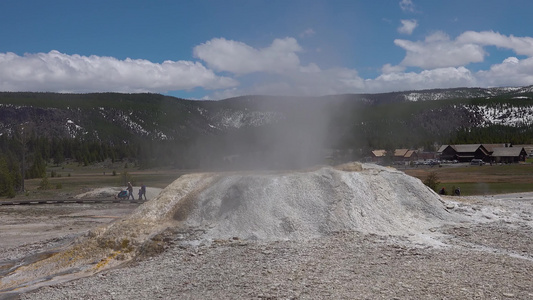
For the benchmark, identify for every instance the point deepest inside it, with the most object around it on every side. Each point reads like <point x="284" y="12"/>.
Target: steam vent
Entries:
<point x="264" y="206"/>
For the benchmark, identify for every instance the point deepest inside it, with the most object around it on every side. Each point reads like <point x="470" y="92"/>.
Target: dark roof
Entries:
<point x="507" y="151"/>
<point x="466" y="147"/>
<point x="491" y="147"/>
<point x="442" y="148"/>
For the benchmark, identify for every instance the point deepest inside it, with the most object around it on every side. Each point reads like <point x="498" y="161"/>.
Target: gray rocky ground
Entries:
<point x="488" y="256"/>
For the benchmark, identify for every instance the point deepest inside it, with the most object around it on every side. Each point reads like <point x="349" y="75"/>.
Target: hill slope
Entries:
<point x="274" y="128"/>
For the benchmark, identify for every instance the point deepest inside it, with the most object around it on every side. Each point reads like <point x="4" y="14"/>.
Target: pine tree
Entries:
<point x="7" y="180"/>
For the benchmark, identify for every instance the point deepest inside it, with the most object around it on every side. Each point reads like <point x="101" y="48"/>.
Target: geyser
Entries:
<point x="255" y="206"/>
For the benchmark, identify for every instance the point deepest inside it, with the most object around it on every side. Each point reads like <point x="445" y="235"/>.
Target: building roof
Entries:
<point x="379" y="153"/>
<point x="466" y="147"/>
<point x="462" y="147"/>
<point x="507" y="151"/>
<point x="528" y="148"/>
<point x="410" y="153"/>
<point x="400" y="152"/>
<point x="491" y="147"/>
<point x="442" y="148"/>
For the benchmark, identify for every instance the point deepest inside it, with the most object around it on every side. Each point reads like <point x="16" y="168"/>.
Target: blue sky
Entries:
<point x="218" y="49"/>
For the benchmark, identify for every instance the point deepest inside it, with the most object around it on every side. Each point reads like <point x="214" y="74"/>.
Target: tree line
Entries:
<point x="28" y="156"/>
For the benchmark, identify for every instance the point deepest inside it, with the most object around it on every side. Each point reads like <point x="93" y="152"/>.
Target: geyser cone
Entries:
<point x="299" y="205"/>
<point x="264" y="206"/>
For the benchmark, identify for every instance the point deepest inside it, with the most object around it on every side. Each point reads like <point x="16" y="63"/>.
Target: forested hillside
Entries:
<point x="250" y="131"/>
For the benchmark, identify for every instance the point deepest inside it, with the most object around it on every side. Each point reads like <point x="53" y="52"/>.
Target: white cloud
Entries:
<point x="520" y="45"/>
<point x="239" y="58"/>
<point x="407" y="5"/>
<point x="408" y="26"/>
<point x="511" y="60"/>
<point x="442" y="59"/>
<point x="511" y="72"/>
<point x="341" y="80"/>
<point x="427" y="79"/>
<point x="438" y="51"/>
<point x="274" y="70"/>
<point x="388" y="68"/>
<point x="280" y="60"/>
<point x="58" y="72"/>
<point x="307" y="33"/>
<point x="305" y="81"/>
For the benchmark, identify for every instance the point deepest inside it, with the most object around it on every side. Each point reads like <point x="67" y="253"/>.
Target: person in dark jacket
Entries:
<point x="442" y="191"/>
<point x="142" y="192"/>
<point x="130" y="191"/>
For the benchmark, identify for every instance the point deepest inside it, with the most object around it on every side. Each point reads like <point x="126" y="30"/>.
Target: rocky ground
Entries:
<point x="488" y="257"/>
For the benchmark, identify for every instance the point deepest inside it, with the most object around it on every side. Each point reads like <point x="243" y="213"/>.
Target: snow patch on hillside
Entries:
<point x="502" y="114"/>
<point x="238" y="119"/>
<point x="73" y="129"/>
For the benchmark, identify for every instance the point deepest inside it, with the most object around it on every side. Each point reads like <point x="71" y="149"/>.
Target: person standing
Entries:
<point x="130" y="191"/>
<point x="142" y="192"/>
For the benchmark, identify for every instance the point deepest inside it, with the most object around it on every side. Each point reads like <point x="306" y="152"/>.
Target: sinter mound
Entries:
<point x="264" y="206"/>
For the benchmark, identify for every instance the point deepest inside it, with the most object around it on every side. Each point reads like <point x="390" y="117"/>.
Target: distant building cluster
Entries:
<point x="483" y="153"/>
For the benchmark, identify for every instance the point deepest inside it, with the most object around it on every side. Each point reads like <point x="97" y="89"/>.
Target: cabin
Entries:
<point x="508" y="154"/>
<point x="497" y="153"/>
<point x="399" y="154"/>
<point x="411" y="155"/>
<point x="405" y="155"/>
<point x="378" y="156"/>
<point x="464" y="152"/>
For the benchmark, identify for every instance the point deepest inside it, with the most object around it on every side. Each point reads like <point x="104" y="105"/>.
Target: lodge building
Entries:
<point x="489" y="153"/>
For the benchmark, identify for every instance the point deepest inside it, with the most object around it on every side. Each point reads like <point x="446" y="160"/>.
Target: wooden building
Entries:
<point x="508" y="154"/>
<point x="464" y="152"/>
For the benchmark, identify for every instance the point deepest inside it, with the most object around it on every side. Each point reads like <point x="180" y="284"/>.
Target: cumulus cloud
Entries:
<point x="280" y="59"/>
<point x="311" y="80"/>
<point x="408" y="26"/>
<point x="520" y="45"/>
<point x="388" y="68"/>
<point x="240" y="58"/>
<point x="407" y="5"/>
<point x="275" y="69"/>
<point x="442" y="59"/>
<point x="305" y="81"/>
<point x="307" y="33"/>
<point x="59" y="72"/>
<point x="436" y="78"/>
<point x="341" y="80"/>
<point x="511" y="72"/>
<point x="438" y="51"/>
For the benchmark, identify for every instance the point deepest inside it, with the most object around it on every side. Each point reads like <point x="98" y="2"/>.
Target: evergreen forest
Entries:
<point x="150" y="130"/>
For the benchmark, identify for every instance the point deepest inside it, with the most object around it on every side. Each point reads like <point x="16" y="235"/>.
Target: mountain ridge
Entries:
<point x="268" y="124"/>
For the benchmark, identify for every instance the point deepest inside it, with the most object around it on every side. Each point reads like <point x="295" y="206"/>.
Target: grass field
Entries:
<point x="72" y="179"/>
<point x="480" y="180"/>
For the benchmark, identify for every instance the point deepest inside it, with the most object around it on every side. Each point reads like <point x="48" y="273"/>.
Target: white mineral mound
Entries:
<point x="299" y="205"/>
<point x="265" y="206"/>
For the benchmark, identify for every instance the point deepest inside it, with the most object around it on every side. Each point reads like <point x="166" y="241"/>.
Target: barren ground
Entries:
<point x="490" y="257"/>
